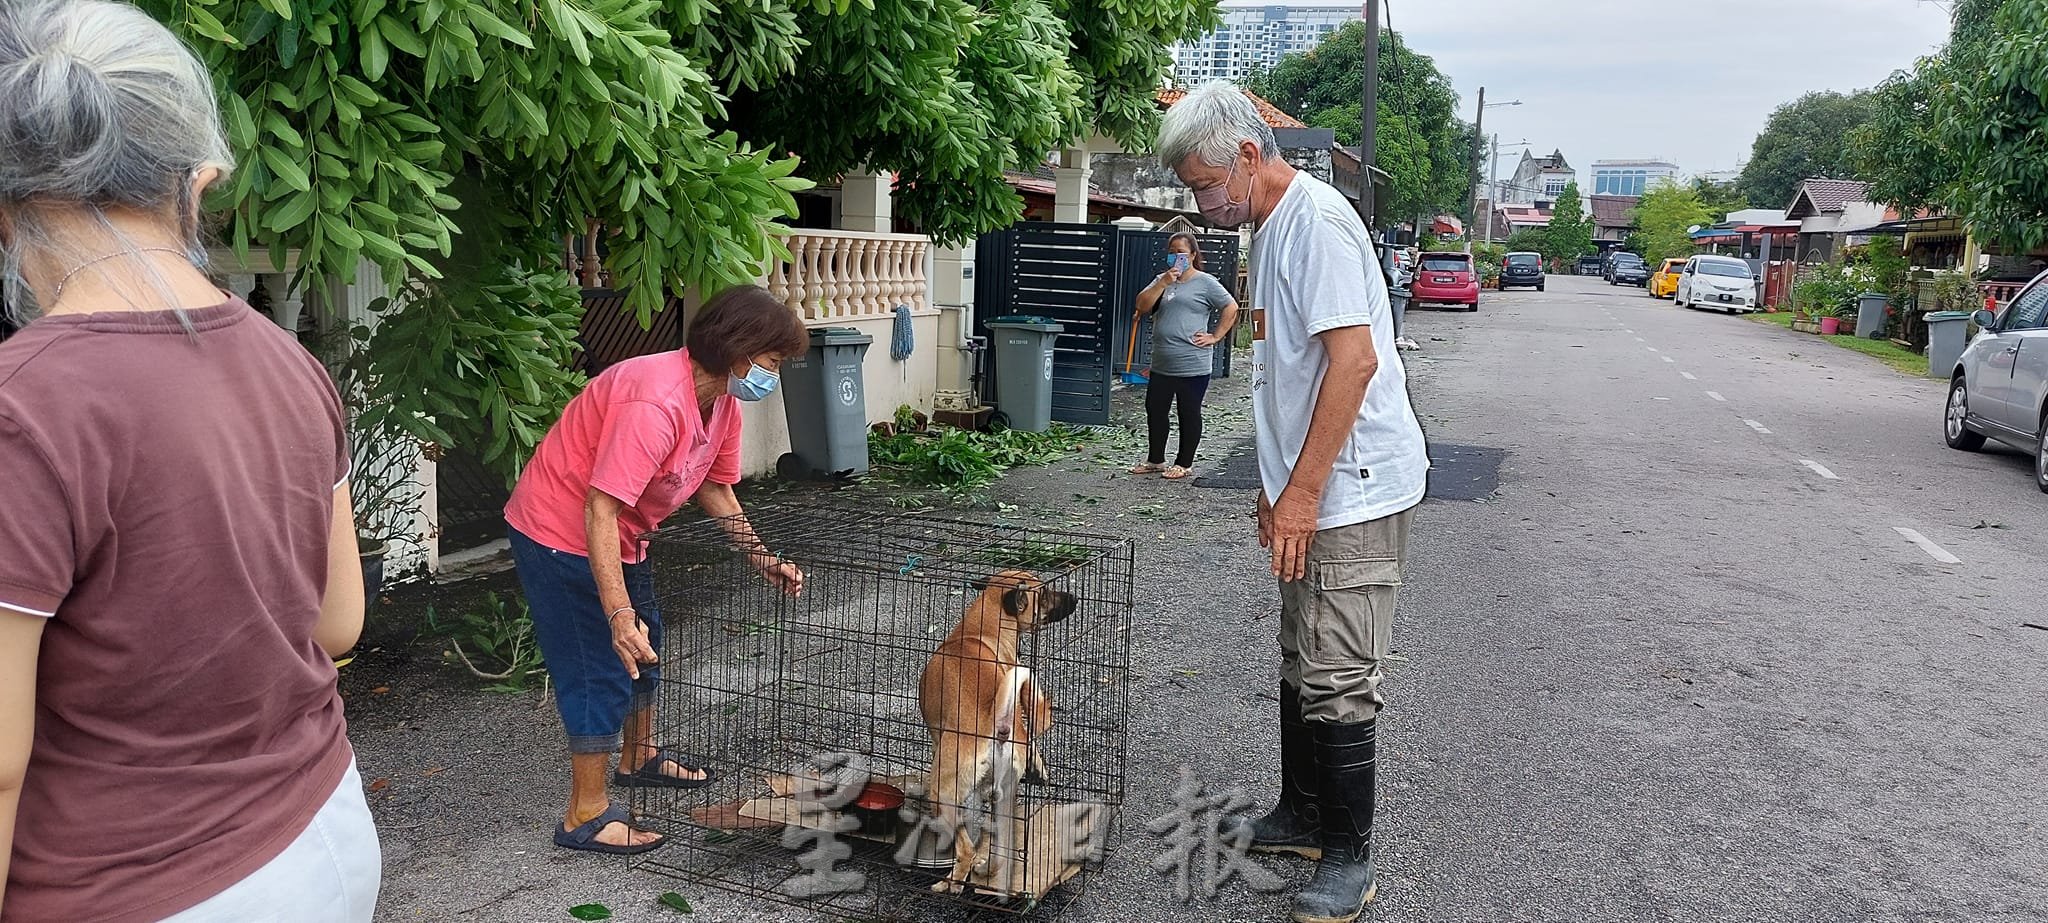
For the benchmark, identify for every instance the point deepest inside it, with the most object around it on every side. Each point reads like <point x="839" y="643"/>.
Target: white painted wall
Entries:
<point x="764" y="435"/>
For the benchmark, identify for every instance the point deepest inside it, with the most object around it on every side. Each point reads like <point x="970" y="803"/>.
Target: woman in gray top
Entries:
<point x="1182" y="302"/>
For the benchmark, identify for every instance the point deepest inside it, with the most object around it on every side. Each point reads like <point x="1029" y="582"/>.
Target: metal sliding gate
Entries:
<point x="1087" y="278"/>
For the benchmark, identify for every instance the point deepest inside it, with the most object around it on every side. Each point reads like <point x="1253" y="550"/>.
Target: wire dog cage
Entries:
<point x="934" y="678"/>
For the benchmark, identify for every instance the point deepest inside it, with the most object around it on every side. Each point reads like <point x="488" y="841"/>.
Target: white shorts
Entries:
<point x="329" y="874"/>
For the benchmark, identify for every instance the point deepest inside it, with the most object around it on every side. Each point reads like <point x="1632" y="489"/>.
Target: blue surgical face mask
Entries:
<point x="758" y="384"/>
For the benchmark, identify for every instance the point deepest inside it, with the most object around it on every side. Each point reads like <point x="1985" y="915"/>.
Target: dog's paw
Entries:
<point x="945" y="886"/>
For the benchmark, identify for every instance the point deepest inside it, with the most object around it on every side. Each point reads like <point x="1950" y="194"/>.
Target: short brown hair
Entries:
<point x="1194" y="247"/>
<point x="740" y="323"/>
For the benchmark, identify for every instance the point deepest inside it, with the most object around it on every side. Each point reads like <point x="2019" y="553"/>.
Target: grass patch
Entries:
<point x="1886" y="351"/>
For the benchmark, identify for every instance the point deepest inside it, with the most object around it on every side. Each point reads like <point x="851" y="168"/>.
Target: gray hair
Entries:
<point x="1211" y="123"/>
<point x="101" y="107"/>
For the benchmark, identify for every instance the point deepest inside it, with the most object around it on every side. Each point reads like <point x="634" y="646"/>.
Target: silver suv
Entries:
<point x="1999" y="388"/>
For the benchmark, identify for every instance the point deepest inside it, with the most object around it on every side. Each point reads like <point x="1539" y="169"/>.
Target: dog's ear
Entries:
<point x="1018" y="601"/>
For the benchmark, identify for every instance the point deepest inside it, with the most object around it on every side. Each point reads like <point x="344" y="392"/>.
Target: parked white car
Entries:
<point x="1723" y="282"/>
<point x="1999" y="388"/>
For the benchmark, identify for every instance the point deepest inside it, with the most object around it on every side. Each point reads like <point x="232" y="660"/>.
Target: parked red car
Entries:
<point x="1446" y="278"/>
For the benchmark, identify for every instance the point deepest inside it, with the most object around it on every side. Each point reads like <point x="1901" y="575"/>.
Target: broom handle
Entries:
<point x="1131" y="348"/>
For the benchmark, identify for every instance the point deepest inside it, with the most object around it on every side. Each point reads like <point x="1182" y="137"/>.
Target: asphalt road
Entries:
<point x="1663" y="669"/>
<point x="1678" y="671"/>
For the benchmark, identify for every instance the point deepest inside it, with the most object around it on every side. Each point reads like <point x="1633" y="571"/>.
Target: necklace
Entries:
<point x="58" y="295"/>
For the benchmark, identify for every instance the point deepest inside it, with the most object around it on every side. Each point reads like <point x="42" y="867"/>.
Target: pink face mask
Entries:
<point x="1217" y="206"/>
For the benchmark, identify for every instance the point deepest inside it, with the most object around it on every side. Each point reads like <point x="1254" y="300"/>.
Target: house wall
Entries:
<point x="1531" y="183"/>
<point x="1141" y="178"/>
<point x="888" y="384"/>
<point x="1312" y="161"/>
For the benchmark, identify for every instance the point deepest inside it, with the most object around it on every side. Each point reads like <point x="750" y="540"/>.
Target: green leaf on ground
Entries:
<point x="676" y="902"/>
<point x="591" y="912"/>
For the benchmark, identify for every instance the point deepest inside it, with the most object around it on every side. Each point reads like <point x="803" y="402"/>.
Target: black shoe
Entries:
<point x="1291" y="827"/>
<point x="1343" y="883"/>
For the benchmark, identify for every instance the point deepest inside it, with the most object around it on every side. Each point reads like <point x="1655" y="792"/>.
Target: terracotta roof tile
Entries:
<point x="1612" y="211"/>
<point x="1273" y="115"/>
<point x="1831" y="195"/>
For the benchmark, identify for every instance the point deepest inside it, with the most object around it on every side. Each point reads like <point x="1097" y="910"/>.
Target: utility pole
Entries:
<point x="1492" y="177"/>
<point x="1478" y="142"/>
<point x="1368" y="153"/>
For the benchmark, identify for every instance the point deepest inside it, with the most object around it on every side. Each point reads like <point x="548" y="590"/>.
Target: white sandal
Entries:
<point x="1147" y="468"/>
<point x="1176" y="472"/>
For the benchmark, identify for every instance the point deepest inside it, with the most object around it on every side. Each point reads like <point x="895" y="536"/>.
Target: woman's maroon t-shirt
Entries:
<point x="165" y="496"/>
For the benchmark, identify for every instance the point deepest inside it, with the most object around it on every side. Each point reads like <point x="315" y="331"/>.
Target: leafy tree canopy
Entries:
<point x="1804" y="138"/>
<point x="1962" y="131"/>
<point x="1421" y="143"/>
<point x="1720" y="198"/>
<point x="1570" y="234"/>
<point x="951" y="93"/>
<point x="456" y="143"/>
<point x="1664" y="218"/>
<point x="1529" y="240"/>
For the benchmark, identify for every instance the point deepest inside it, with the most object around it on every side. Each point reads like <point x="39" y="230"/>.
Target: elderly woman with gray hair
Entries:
<point x="1343" y="466"/>
<point x="177" y="556"/>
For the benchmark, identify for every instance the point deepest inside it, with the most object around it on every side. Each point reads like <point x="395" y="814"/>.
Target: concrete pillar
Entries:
<point x="864" y="203"/>
<point x="1070" y="200"/>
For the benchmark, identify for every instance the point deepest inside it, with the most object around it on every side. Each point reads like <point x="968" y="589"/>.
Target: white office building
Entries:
<point x="1630" y="177"/>
<point x="1257" y="35"/>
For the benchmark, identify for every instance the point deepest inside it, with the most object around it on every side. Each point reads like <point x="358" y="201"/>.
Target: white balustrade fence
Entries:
<point x="848" y="275"/>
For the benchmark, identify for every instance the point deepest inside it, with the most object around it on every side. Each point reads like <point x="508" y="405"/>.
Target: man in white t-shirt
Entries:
<point x="1343" y="463"/>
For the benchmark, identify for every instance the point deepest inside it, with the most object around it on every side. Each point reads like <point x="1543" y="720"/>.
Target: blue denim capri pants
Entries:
<point x="592" y="689"/>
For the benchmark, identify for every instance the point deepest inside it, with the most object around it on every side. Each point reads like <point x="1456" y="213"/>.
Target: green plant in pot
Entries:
<point x="384" y="461"/>
<point x="386" y="496"/>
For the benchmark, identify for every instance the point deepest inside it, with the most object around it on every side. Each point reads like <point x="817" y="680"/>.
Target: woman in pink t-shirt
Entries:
<point x="643" y="438"/>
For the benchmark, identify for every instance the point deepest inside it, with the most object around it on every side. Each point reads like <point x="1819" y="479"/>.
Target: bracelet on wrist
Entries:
<point x="615" y="612"/>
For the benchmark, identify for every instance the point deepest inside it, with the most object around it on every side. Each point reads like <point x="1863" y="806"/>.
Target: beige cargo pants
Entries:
<point x="1337" y="622"/>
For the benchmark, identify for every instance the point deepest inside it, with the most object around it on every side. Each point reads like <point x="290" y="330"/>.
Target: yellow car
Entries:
<point x="1664" y="283"/>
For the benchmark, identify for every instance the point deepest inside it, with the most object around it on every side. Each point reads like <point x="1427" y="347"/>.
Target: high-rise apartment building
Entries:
<point x="1257" y="35"/>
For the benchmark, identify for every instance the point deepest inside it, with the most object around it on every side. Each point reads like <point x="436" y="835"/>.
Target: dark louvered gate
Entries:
<point x="1062" y="272"/>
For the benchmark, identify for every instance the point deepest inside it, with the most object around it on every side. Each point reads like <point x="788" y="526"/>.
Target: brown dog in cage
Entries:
<point x="983" y="709"/>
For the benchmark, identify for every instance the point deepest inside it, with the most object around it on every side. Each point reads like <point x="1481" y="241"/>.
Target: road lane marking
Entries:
<point x="1624" y="331"/>
<point x="1716" y="395"/>
<point x="1669" y="359"/>
<point x="1759" y="427"/>
<point x="1819" y="469"/>
<point x="1641" y="340"/>
<point x="1690" y="376"/>
<point x="1933" y="550"/>
<point x="1655" y="349"/>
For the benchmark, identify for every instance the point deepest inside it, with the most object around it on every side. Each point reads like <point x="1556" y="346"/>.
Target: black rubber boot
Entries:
<point x="1343" y="883"/>
<point x="1291" y="826"/>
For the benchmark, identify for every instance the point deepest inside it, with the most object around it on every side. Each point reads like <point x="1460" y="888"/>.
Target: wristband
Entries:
<point x="615" y="612"/>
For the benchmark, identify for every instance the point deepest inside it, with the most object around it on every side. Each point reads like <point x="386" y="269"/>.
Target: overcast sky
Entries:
<point x="1691" y="82"/>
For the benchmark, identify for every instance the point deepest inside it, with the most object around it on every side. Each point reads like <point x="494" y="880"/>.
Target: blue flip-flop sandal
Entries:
<point x="649" y="775"/>
<point x="584" y="837"/>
